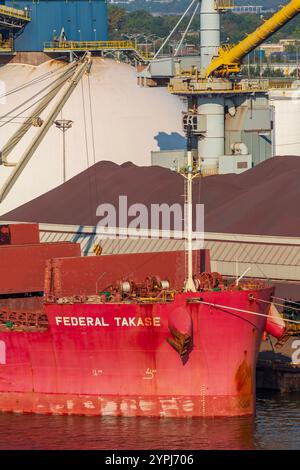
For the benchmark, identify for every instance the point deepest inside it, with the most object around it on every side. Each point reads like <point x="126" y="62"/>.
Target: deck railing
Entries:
<point x="224" y="4"/>
<point x="62" y="45"/>
<point x="15" y="13"/>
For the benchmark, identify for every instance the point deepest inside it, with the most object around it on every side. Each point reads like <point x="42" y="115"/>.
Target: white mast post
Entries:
<point x="189" y="283"/>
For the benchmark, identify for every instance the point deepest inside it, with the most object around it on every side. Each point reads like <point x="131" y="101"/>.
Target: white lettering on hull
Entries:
<point x="101" y="322"/>
<point x="137" y="321"/>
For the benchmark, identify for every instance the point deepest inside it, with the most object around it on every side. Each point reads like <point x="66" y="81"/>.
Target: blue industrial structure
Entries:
<point x="74" y="20"/>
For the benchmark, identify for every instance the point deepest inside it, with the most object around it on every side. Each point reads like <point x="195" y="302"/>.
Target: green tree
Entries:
<point x="116" y="19"/>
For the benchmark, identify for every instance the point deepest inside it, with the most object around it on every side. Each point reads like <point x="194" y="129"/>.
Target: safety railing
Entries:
<point x="205" y="172"/>
<point x="224" y="4"/>
<point x="206" y="87"/>
<point x="15" y="13"/>
<point x="96" y="46"/>
<point x="281" y="85"/>
<point x="88" y="45"/>
<point x="22" y="320"/>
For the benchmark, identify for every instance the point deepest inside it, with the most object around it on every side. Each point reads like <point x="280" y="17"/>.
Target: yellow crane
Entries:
<point x="230" y="59"/>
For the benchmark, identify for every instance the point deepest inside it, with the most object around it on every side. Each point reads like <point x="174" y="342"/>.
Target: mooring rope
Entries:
<point x="246" y="311"/>
<point x="285" y="300"/>
<point x="277" y="305"/>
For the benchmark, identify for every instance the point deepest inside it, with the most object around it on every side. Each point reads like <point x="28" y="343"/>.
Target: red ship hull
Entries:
<point x="115" y="358"/>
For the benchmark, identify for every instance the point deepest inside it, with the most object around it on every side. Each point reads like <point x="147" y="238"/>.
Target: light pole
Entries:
<point x="248" y="65"/>
<point x="162" y="47"/>
<point x="95" y="34"/>
<point x="79" y="31"/>
<point x="147" y="38"/>
<point x="155" y="40"/>
<point x="260" y="61"/>
<point x="64" y="125"/>
<point x="132" y="37"/>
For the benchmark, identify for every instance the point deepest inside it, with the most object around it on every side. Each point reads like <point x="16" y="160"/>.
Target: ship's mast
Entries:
<point x="189" y="174"/>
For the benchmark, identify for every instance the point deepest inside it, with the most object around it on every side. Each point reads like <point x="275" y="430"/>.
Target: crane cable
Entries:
<point x="66" y="74"/>
<point x="87" y="151"/>
<point x="63" y="73"/>
<point x="44" y="101"/>
<point x="38" y="138"/>
<point x="93" y="137"/>
<point x="34" y="81"/>
<point x="14" y="140"/>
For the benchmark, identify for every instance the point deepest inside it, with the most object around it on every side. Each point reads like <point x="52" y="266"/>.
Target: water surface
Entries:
<point x="276" y="426"/>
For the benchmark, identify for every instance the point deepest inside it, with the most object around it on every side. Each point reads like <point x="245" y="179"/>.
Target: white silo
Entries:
<point x="211" y="147"/>
<point x="286" y="104"/>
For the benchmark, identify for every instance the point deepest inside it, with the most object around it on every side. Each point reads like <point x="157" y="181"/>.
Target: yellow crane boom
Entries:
<point x="229" y="59"/>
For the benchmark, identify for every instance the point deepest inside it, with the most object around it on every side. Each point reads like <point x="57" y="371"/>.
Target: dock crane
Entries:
<point x="208" y="89"/>
<point x="214" y="87"/>
<point x="229" y="60"/>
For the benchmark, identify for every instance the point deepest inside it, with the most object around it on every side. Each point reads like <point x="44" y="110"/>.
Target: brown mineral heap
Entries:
<point x="264" y="200"/>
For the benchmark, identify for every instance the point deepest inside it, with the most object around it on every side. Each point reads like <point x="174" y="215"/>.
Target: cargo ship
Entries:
<point x="136" y="348"/>
<point x="143" y="351"/>
<point x="163" y="345"/>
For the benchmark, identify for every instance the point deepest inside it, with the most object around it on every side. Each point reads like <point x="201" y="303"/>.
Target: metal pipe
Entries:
<point x="210" y="32"/>
<point x="189" y="283"/>
<point x="211" y="146"/>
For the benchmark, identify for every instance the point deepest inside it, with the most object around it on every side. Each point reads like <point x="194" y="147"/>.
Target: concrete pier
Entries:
<point x="275" y="368"/>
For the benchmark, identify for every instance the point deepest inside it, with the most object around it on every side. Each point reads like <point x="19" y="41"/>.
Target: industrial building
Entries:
<point x="230" y="117"/>
<point x="26" y="25"/>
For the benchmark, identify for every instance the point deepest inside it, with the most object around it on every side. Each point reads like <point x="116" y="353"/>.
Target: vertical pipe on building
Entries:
<point x="211" y="146"/>
<point x="210" y="32"/>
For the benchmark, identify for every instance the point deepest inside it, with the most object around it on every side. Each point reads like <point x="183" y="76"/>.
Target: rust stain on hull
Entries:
<point x="244" y="383"/>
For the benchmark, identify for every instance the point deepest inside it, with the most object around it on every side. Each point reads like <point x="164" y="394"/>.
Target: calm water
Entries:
<point x="276" y="426"/>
